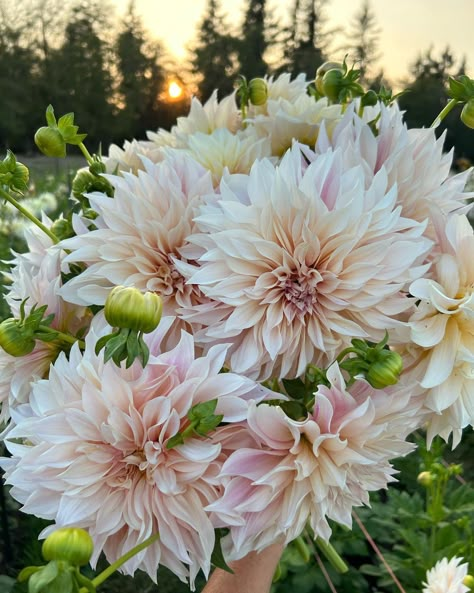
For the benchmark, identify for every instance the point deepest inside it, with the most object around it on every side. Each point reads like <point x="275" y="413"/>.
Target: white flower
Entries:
<point x="140" y="234"/>
<point x="443" y="326"/>
<point x="96" y="456"/>
<point x="297" y="261"/>
<point x="446" y="577"/>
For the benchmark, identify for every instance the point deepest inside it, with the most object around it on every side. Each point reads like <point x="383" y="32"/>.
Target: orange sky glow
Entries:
<point x="408" y="26"/>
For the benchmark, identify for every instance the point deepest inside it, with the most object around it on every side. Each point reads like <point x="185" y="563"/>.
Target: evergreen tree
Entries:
<point x="215" y="55"/>
<point x="306" y="42"/>
<point x="141" y="78"/>
<point x="79" y="77"/>
<point x="428" y="95"/>
<point x="253" y="41"/>
<point x="364" y="40"/>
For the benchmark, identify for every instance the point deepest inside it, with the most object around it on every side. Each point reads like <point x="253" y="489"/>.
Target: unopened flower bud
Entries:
<point x="85" y="182"/>
<point x="258" y="91"/>
<point x="20" y="178"/>
<point x="51" y="142"/>
<point x="70" y="544"/>
<point x="332" y="84"/>
<point x="468" y="581"/>
<point x="62" y="228"/>
<point x="385" y="370"/>
<point x="127" y="307"/>
<point x="13" y="339"/>
<point x="467" y="114"/>
<point x="369" y="99"/>
<point x="425" y="479"/>
<point x="321" y="71"/>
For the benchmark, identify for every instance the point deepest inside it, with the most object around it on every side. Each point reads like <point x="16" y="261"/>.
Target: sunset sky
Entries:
<point x="408" y="26"/>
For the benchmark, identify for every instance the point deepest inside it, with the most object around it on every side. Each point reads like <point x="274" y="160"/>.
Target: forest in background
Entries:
<point x="81" y="57"/>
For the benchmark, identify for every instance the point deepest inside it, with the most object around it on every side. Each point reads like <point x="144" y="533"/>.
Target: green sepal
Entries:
<point x="83" y="581"/>
<point x="50" y="117"/>
<point x="217" y="557"/>
<point x="40" y="579"/>
<point x="202" y="410"/>
<point x="206" y="425"/>
<point x="26" y="573"/>
<point x="175" y="440"/>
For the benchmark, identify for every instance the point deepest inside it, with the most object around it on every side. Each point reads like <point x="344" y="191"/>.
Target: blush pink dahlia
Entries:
<point x="36" y="276"/>
<point x="94" y="451"/>
<point x="297" y="260"/>
<point x="140" y="234"/>
<point x="315" y="469"/>
<point x="443" y="327"/>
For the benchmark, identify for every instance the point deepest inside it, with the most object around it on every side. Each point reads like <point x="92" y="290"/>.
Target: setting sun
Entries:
<point x="175" y="90"/>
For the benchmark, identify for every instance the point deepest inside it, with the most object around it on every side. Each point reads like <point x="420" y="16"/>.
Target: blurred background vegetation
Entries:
<point x="80" y="56"/>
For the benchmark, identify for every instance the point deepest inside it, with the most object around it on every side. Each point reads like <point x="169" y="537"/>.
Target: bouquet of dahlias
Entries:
<point x="206" y="355"/>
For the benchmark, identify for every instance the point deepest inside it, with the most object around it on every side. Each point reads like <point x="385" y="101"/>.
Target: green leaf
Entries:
<point x="295" y="388"/>
<point x="294" y="410"/>
<point x="6" y="583"/>
<point x="217" y="557"/>
<point x="50" y="117"/>
<point x="63" y="583"/>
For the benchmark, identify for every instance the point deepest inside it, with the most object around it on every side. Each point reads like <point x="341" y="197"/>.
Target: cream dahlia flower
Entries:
<point x="94" y="451"/>
<point x="140" y="233"/>
<point x="446" y="577"/>
<point x="36" y="276"/>
<point x="298" y="261"/>
<point x="315" y="469"/>
<point x="443" y="326"/>
<point x="223" y="151"/>
<point x="300" y="120"/>
<point x="205" y="118"/>
<point x="129" y="159"/>
<point x="413" y="160"/>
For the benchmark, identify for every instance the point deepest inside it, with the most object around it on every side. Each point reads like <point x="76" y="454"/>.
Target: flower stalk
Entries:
<point x="10" y="199"/>
<point x="109" y="571"/>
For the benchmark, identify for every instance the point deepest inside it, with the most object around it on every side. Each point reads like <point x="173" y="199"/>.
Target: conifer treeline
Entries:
<point x="114" y="76"/>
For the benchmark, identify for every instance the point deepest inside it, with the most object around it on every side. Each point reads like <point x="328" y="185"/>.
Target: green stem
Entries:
<point x="62" y="336"/>
<point x="444" y="112"/>
<point x="328" y="550"/>
<point x="109" y="571"/>
<point x="6" y="196"/>
<point x="86" y="153"/>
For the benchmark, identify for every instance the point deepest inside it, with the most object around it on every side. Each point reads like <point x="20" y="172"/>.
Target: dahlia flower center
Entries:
<point x="168" y="279"/>
<point x="300" y="291"/>
<point x="145" y="461"/>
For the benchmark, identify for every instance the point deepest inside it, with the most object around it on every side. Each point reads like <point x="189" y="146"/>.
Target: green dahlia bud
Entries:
<point x="468" y="581"/>
<point x="51" y="142"/>
<point x="369" y="99"/>
<point x="332" y="84"/>
<point x="258" y="91"/>
<point x="127" y="307"/>
<point x="467" y="114"/>
<point x="20" y="178"/>
<point x="13" y="339"/>
<point x="425" y="479"/>
<point x="85" y="182"/>
<point x="385" y="370"/>
<point x="321" y="71"/>
<point x="62" y="228"/>
<point x="71" y="544"/>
